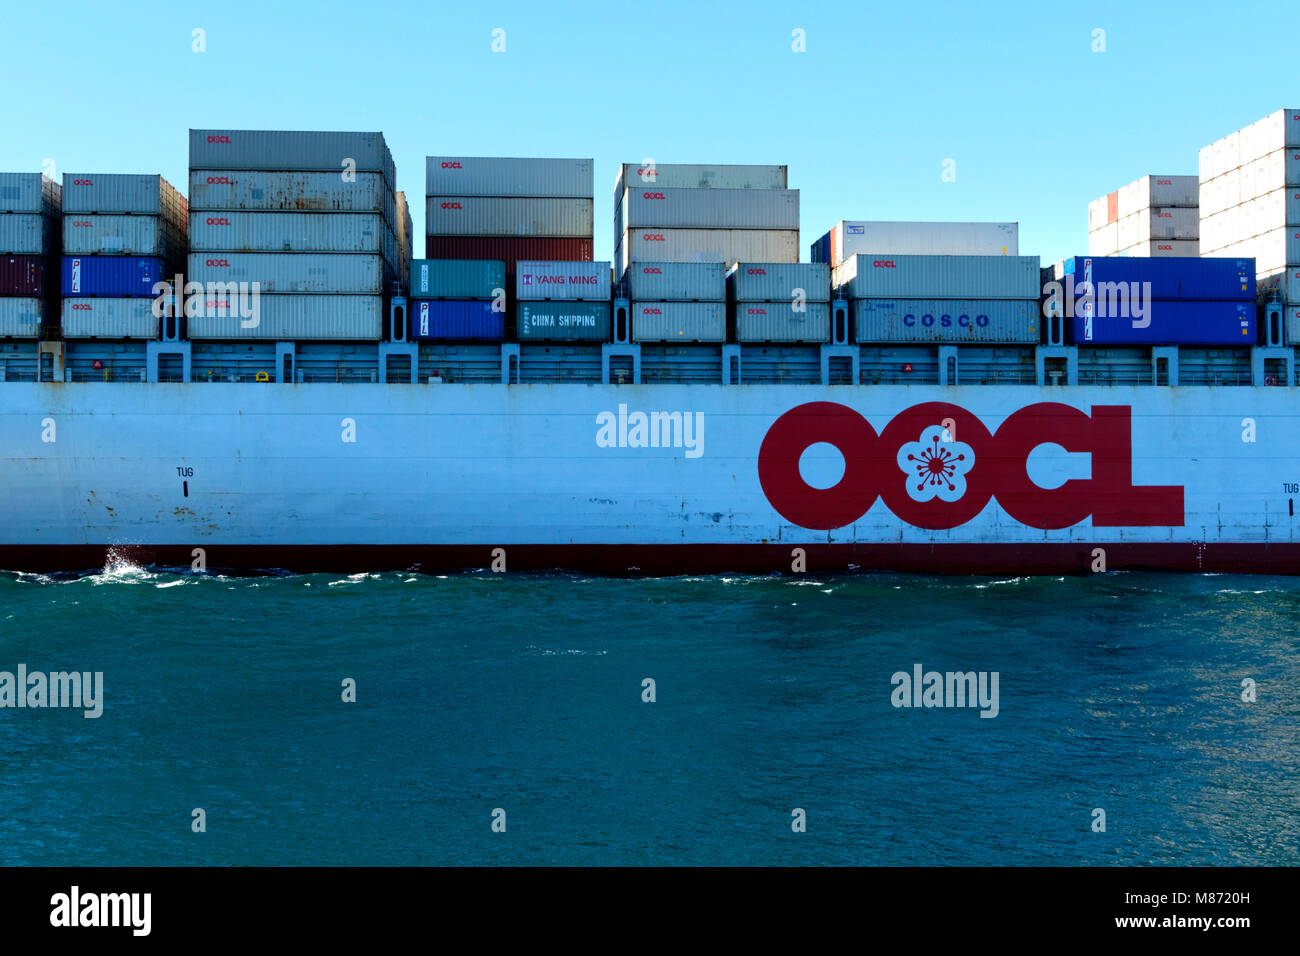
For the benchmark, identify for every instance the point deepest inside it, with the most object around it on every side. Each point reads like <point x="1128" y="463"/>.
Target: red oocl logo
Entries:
<point x="883" y="264"/>
<point x="756" y="272"/>
<point x="652" y="237"/>
<point x="218" y="222"/>
<point x="79" y="306"/>
<point x="758" y="311"/>
<point x="218" y="262"/>
<point x="218" y="139"/>
<point x="452" y="166"/>
<point x="652" y="271"/>
<point x="648" y="171"/>
<point x="82" y="223"/>
<point x="652" y="195"/>
<point x="218" y="180"/>
<point x="652" y="312"/>
<point x="451" y="205"/>
<point x="83" y="182"/>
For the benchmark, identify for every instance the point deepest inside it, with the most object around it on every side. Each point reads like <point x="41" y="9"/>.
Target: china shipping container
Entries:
<point x="294" y="273"/>
<point x="677" y="281"/>
<point x="509" y="249"/>
<point x="558" y="321"/>
<point x="29" y="235"/>
<point x="850" y="238"/>
<point x="782" y="322"/>
<point x="255" y="191"/>
<point x="508" y="176"/>
<point x="457" y="278"/>
<point x="562" y="280"/>
<point x="706" y="245"/>
<point x="457" y="320"/>
<point x="32" y="193"/>
<point x="20" y="318"/>
<point x="306" y="151"/>
<point x="23" y="276"/>
<point x="985" y="321"/>
<point x="708" y="208"/>
<point x="1165" y="322"/>
<point x="495" y="216"/>
<point x="293" y="232"/>
<point x="112" y="276"/>
<point x="679" y="321"/>
<point x="777" y="281"/>
<point x="883" y="275"/>
<point x="124" y="318"/>
<point x="88" y="235"/>
<point x="1172" y="278"/>
<point x="307" y="317"/>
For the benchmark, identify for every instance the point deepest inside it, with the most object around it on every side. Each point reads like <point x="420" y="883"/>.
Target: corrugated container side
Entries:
<point x="509" y="249"/>
<point x="293" y="273"/>
<point x="457" y="278"/>
<point x="494" y="216"/>
<point x="677" y="281"/>
<point x="706" y="245"/>
<point x="1173" y="190"/>
<point x="20" y="318"/>
<point x="821" y="250"/>
<point x="1174" y="277"/>
<point x="308" y="317"/>
<point x="701" y="176"/>
<point x="563" y="321"/>
<point x="112" y="276"/>
<point x="32" y="193"/>
<point x="1183" y="322"/>
<point x="254" y="191"/>
<point x="28" y="235"/>
<point x="304" y="150"/>
<point x="774" y="281"/>
<point x="450" y="319"/>
<point x="1163" y="248"/>
<point x="508" y="176"/>
<point x="854" y="237"/>
<point x="1293" y="323"/>
<point x="109" y="194"/>
<point x="782" y="322"/>
<point x="1285" y="283"/>
<point x="89" y="235"/>
<point x="562" y="280"/>
<point x="23" y="276"/>
<point x="326" y="232"/>
<point x="109" y="319"/>
<point x="711" y="208"/>
<point x="992" y="321"/>
<point x="884" y="275"/>
<point x="679" y="322"/>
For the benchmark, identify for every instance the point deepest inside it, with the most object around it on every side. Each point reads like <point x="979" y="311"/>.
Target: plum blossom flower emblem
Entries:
<point x="936" y="468"/>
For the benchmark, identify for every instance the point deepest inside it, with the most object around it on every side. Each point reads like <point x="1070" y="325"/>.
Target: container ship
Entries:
<point x="259" y="374"/>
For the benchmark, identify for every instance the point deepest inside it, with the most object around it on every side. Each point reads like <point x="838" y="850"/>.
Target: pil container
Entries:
<point x="457" y="320"/>
<point x="112" y="276"/>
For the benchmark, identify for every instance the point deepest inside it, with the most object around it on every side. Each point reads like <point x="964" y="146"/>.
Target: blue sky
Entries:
<point x="1038" y="124"/>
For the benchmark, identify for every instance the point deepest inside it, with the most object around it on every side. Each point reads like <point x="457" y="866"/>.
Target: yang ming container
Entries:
<point x="292" y="273"/>
<point x="123" y="236"/>
<point x="28" y="235"/>
<point x="562" y="280"/>
<point x="884" y="275"/>
<point x="217" y="231"/>
<point x="1166" y="322"/>
<point x="108" y="194"/>
<point x="107" y="318"/>
<point x="782" y="322"/>
<point x="457" y="278"/>
<point x="112" y="276"/>
<point x="23" y="275"/>
<point x="20" y="318"/>
<point x="706" y="245"/>
<point x="679" y="322"/>
<point x="1170" y="277"/>
<point x="708" y="208"/>
<point x="32" y="193"/>
<point x="987" y="321"/>
<point x="677" y="281"/>
<point x="563" y="321"/>
<point x="494" y="216"/>
<point x="462" y="321"/>
<point x="332" y="152"/>
<point x="777" y="281"/>
<point x="284" y="317"/>
<point x="246" y="191"/>
<point x="508" y="176"/>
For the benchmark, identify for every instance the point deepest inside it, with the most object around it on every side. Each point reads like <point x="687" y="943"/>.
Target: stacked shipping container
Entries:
<point x="677" y="301"/>
<point x="1152" y="216"/>
<point x="780" y="302"/>
<point x="851" y="238"/>
<point x="563" y="301"/>
<point x="458" y="299"/>
<point x="30" y="207"/>
<point x="307" y="223"/>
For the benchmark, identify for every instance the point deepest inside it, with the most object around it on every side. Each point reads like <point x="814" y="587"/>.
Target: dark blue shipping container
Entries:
<point x="1174" y="277"/>
<point x="457" y="319"/>
<point x="1187" y="322"/>
<point x="821" y="250"/>
<point x="115" y="276"/>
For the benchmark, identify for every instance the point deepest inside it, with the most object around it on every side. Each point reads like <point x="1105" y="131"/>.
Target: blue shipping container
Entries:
<point x="455" y="319"/>
<point x="1163" y="322"/>
<point x="821" y="250"/>
<point x="115" y="276"/>
<point x="1175" y="277"/>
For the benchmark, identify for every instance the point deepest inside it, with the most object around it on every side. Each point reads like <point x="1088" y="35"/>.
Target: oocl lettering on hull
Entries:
<point x="936" y="479"/>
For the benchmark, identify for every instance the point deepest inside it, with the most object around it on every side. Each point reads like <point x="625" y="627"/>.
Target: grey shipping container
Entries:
<point x="708" y="208"/>
<point x="507" y="176"/>
<point x="33" y="193"/>
<point x="302" y="150"/>
<point x="679" y="322"/>
<point x="124" y="194"/>
<point x="993" y="321"/>
<point x="782" y="322"/>
<point x="562" y="280"/>
<point x="882" y="275"/>
<point x="563" y="321"/>
<point x="494" y="216"/>
<point x="21" y="318"/>
<point x="777" y="281"/>
<point x="298" y="272"/>
<point x="677" y="281"/>
<point x="457" y="278"/>
<point x="109" y="319"/>
<point x="28" y="235"/>
<point x="706" y="245"/>
<point x="316" y="317"/>
<point x="699" y="176"/>
<point x="91" y="235"/>
<point x="215" y="231"/>
<point x="255" y="191"/>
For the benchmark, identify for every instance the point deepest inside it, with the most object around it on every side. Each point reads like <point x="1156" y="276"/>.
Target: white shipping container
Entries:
<point x="569" y="281"/>
<point x="1163" y="247"/>
<point x="1098" y="211"/>
<point x="886" y="276"/>
<point x="21" y="318"/>
<point x="295" y="272"/>
<point x="1128" y="229"/>
<point x="1104" y="241"/>
<point x="782" y="322"/>
<point x="91" y="235"/>
<point x="677" y="281"/>
<point x="508" y="176"/>
<point x="1277" y="249"/>
<point x="109" y="319"/>
<point x="679" y="322"/>
<point x="1286" y="283"/>
<point x="33" y="193"/>
<point x="300" y="150"/>
<point x="316" y="317"/>
<point x="707" y="245"/>
<point x="1205" y="164"/>
<point x="779" y="281"/>
<point x="710" y="208"/>
<point x="850" y="238"/>
<point x="1168" y="222"/>
<point x="699" y="176"/>
<point x="255" y="191"/>
<point x="123" y="194"/>
<point x="496" y="216"/>
<point x="28" y="235"/>
<point x="1157" y="190"/>
<point x="216" y="231"/>
<point x="1278" y="130"/>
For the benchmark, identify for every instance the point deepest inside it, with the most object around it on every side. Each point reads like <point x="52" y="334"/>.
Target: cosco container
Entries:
<point x="278" y="273"/>
<point x="776" y="281"/>
<point x="457" y="278"/>
<point x="494" y="216"/>
<point x="706" y="245"/>
<point x="679" y="322"/>
<point x="782" y="322"/>
<point x="562" y="280"/>
<point x="677" y="281"/>
<point x="708" y="208"/>
<point x="563" y="321"/>
<point x="1164" y="322"/>
<point x="33" y="193"/>
<point x="986" y="321"/>
<point x="509" y="249"/>
<point x="284" y="317"/>
<point x="215" y="231"/>
<point x="450" y="319"/>
<point x="28" y="235"/>
<point x="851" y="238"/>
<point x="247" y="191"/>
<point x="1170" y="278"/>
<point x="123" y="194"/>
<point x="90" y="235"/>
<point x="885" y="275"/>
<point x="20" y="318"/>
<point x="507" y="176"/>
<point x="331" y="152"/>
<point x="106" y="318"/>
<point x="699" y="176"/>
<point x="112" y="276"/>
<point x="23" y="275"/>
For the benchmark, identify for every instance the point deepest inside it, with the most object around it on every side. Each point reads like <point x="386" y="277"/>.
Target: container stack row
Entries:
<point x="294" y="235"/>
<point x="458" y="299"/>
<point x="30" y="211"/>
<point x="563" y="301"/>
<point x="677" y="301"/>
<point x="697" y="213"/>
<point x="850" y="238"/>
<point x="1152" y="216"/>
<point x="780" y="301"/>
<point x="123" y="235"/>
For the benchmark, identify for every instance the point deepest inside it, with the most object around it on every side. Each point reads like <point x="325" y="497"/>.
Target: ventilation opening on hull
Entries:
<point x="171" y="367"/>
<point x="398" y="369"/>
<point x="1162" y="371"/>
<point x="1055" y="371"/>
<point x="620" y="369"/>
<point x="839" y="370"/>
<point x="185" y="488"/>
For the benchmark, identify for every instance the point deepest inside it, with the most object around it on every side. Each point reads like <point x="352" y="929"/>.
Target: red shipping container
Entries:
<point x="23" y="276"/>
<point x="511" y="249"/>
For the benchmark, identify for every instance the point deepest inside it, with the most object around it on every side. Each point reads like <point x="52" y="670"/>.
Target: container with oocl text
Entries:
<point x="30" y="208"/>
